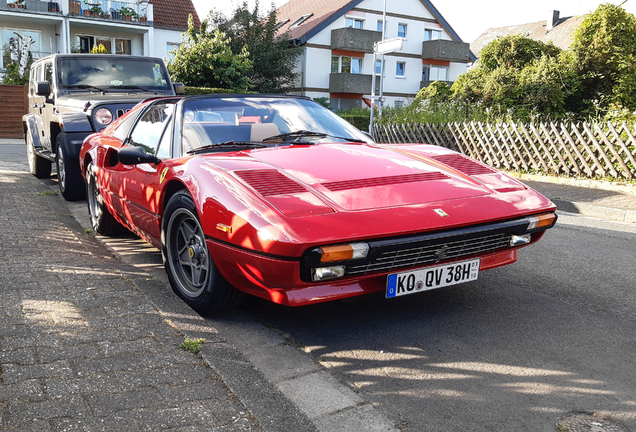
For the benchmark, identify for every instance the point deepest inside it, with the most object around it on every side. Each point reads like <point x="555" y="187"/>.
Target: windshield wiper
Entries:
<point x="134" y="87"/>
<point x="226" y="144"/>
<point x="87" y="86"/>
<point x="306" y="133"/>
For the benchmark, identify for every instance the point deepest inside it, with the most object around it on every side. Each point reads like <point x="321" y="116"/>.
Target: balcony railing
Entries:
<point x="103" y="9"/>
<point x="31" y="5"/>
<point x="112" y="10"/>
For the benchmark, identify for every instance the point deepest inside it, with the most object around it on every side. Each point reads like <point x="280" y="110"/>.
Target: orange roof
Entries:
<point x="174" y="14"/>
<point x="322" y="10"/>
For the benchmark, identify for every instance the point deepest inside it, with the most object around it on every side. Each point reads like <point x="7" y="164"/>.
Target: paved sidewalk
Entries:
<point x="602" y="199"/>
<point x="83" y="348"/>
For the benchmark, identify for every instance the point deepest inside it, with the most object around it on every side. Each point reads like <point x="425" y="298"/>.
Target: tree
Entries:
<point x="273" y="57"/>
<point x="206" y="60"/>
<point x="514" y="52"/>
<point x="603" y="54"/>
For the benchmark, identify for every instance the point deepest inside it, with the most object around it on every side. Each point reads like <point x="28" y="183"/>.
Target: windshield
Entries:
<point x="106" y="74"/>
<point x="209" y="121"/>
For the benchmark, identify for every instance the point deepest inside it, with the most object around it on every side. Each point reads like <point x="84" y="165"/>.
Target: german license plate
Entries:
<point x="399" y="284"/>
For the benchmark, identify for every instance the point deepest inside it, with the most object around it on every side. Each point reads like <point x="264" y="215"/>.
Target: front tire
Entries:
<point x="101" y="220"/>
<point x="192" y="273"/>
<point x="69" y="178"/>
<point x="38" y="166"/>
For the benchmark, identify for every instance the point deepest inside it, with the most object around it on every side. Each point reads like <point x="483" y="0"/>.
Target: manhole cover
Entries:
<point x="588" y="423"/>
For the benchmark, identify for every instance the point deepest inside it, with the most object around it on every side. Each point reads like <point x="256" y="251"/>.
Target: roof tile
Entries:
<point x="174" y="13"/>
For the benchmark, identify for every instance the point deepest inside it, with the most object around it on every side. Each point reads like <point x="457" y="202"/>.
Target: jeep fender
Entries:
<point x="33" y="129"/>
<point x="74" y="122"/>
<point x="72" y="142"/>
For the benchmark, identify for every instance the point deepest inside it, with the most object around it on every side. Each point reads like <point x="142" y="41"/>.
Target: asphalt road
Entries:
<point x="525" y="345"/>
<point x="516" y="350"/>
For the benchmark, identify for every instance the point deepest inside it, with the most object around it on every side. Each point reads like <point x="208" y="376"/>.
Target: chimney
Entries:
<point x="553" y="17"/>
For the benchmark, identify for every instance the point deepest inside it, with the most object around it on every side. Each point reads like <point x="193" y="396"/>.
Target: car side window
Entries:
<point x="124" y="127"/>
<point x="149" y="129"/>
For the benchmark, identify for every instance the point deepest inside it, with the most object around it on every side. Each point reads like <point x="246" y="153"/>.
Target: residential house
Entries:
<point x="137" y="27"/>
<point x="559" y="31"/>
<point x="338" y="37"/>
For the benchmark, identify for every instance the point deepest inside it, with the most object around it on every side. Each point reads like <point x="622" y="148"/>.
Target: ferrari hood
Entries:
<point x="355" y="177"/>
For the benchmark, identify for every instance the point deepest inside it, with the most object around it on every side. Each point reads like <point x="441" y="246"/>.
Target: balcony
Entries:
<point x="353" y="39"/>
<point x="30" y="6"/>
<point x="446" y="50"/>
<point x="352" y="83"/>
<point x="112" y="10"/>
<point x="134" y="12"/>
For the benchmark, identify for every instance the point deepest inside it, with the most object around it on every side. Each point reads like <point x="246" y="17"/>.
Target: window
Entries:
<point x="106" y="42"/>
<point x="402" y="30"/>
<point x="171" y="49"/>
<point x="399" y="104"/>
<point x="432" y="34"/>
<point x="86" y="43"/>
<point x="300" y="20"/>
<point x="149" y="129"/>
<point x="378" y="66"/>
<point x="379" y="28"/>
<point x="340" y="64"/>
<point x="19" y="37"/>
<point x="400" y="69"/>
<point x="355" y="23"/>
<point x="123" y="46"/>
<point x="434" y="73"/>
<point x="279" y="24"/>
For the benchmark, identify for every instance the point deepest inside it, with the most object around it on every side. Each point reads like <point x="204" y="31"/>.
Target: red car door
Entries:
<point x="137" y="187"/>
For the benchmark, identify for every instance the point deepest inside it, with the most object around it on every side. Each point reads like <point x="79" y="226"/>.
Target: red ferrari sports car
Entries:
<point x="278" y="197"/>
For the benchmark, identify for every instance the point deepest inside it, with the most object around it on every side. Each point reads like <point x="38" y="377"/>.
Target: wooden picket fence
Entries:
<point x="583" y="150"/>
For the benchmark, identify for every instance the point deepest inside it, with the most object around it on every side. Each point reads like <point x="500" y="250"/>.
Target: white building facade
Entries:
<point x="337" y="61"/>
<point x="65" y="26"/>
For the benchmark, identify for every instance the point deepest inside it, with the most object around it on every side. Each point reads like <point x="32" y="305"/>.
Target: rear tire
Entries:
<point x="69" y="178"/>
<point x="102" y="221"/>
<point x="192" y="273"/>
<point x="38" y="166"/>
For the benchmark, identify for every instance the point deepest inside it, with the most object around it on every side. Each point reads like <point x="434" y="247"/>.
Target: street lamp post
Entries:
<point x="382" y="47"/>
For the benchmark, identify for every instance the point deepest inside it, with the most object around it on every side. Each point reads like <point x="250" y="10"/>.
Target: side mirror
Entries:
<point x="136" y="155"/>
<point x="179" y="88"/>
<point x="43" y="88"/>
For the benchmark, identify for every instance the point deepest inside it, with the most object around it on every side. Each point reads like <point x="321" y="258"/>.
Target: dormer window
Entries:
<point x="280" y="24"/>
<point x="300" y="20"/>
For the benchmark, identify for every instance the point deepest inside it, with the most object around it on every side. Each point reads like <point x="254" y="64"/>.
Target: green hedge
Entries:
<point x="360" y="121"/>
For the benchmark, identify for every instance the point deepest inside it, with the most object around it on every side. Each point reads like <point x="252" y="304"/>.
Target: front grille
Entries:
<point x="431" y="254"/>
<point x="424" y="249"/>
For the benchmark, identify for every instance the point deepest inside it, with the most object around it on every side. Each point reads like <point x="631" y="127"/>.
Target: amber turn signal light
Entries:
<point x="344" y="252"/>
<point x="542" y="220"/>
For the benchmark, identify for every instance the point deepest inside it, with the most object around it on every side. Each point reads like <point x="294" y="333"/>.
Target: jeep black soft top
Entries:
<point x="74" y="95"/>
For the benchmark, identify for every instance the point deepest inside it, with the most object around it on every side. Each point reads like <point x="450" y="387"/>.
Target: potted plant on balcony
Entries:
<point x="19" y="4"/>
<point x="143" y="19"/>
<point x="127" y="13"/>
<point x="95" y="11"/>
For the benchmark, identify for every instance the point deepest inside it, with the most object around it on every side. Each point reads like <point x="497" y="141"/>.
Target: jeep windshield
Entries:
<point x="112" y="74"/>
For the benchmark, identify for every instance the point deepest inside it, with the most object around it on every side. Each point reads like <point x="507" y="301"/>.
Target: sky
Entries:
<point x="469" y="18"/>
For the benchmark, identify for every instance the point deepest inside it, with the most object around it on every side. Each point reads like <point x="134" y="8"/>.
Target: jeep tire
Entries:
<point x="38" y="166"/>
<point x="69" y="179"/>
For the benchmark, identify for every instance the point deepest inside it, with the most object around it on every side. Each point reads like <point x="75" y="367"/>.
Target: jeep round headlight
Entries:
<point x="103" y="116"/>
